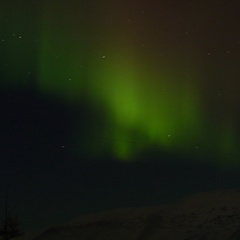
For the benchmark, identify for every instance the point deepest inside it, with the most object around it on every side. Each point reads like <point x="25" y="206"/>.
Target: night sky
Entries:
<point x="108" y="104"/>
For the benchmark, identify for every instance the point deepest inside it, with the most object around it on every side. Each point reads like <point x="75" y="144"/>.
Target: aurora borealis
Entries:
<point x="146" y="66"/>
<point x="102" y="97"/>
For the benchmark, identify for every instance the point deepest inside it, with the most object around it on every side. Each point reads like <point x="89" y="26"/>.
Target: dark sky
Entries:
<point x="116" y="104"/>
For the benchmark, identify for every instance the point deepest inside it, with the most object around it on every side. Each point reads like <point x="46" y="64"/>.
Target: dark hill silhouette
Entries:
<point x="202" y="216"/>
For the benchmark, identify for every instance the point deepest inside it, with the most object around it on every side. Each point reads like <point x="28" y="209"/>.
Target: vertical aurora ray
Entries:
<point x="60" y="64"/>
<point x="228" y="142"/>
<point x="65" y="51"/>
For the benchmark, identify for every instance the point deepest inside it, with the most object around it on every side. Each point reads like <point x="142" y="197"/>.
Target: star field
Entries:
<point x="117" y="103"/>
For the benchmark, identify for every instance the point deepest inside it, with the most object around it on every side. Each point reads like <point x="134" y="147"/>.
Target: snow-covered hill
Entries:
<point x="203" y="216"/>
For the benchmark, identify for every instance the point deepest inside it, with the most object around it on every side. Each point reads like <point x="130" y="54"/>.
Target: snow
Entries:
<point x="205" y="216"/>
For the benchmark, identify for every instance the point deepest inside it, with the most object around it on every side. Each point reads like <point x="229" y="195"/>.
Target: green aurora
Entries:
<point x="146" y="106"/>
<point x="145" y="101"/>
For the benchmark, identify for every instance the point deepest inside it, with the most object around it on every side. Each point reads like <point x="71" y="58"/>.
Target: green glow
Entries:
<point x="144" y="105"/>
<point x="167" y="114"/>
<point x="60" y="70"/>
<point x="123" y="147"/>
<point x="64" y="60"/>
<point x="163" y="108"/>
<point x="228" y="144"/>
